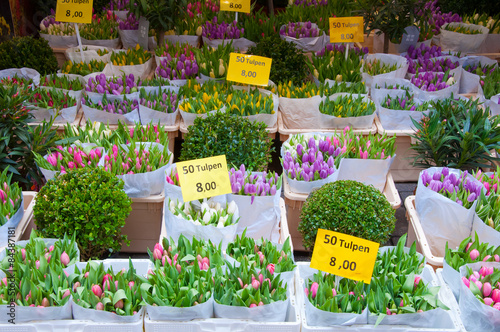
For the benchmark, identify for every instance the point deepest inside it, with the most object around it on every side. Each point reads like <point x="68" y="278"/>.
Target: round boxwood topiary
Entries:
<point x="241" y="140"/>
<point x="348" y="207"/>
<point x="89" y="201"/>
<point x="28" y="52"/>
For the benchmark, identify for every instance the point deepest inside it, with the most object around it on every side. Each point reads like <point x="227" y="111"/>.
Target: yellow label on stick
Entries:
<point x="235" y="6"/>
<point x="77" y="11"/>
<point x="344" y="255"/>
<point x="249" y="69"/>
<point x="202" y="178"/>
<point x="346" y="29"/>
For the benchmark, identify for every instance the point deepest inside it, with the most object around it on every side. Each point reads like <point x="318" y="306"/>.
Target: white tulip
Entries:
<point x="450" y="81"/>
<point x="171" y="206"/>
<point x="231" y="208"/>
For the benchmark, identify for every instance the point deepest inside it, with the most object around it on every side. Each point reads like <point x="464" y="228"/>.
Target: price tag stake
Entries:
<point x="346" y="29"/>
<point x="203" y="178"/>
<point x="249" y="69"/>
<point x="242" y="6"/>
<point x="75" y="11"/>
<point x="344" y="255"/>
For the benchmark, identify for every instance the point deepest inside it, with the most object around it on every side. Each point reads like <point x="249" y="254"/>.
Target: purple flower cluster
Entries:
<point x="423" y="51"/>
<point x="299" y="30"/>
<point x="113" y="85"/>
<point x="437" y="65"/>
<point x="51" y="19"/>
<point x="307" y="3"/>
<point x="115" y="107"/>
<point x="264" y="184"/>
<point x="165" y="102"/>
<point x="182" y="68"/>
<point x="435" y="16"/>
<point x="119" y="4"/>
<point x="131" y="23"/>
<point x="311" y="162"/>
<point x="460" y="189"/>
<point x="340" y="48"/>
<point x="429" y="81"/>
<point x="213" y="30"/>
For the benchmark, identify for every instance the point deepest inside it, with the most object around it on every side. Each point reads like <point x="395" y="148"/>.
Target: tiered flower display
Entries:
<point x="62" y="82"/>
<point x="67" y="158"/>
<point x="112" y="85"/>
<point x="53" y="99"/>
<point x="129" y="160"/>
<point x="429" y="81"/>
<point x="331" y="63"/>
<point x="112" y="106"/>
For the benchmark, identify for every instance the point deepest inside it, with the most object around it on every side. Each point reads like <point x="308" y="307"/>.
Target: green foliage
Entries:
<point x="18" y="139"/>
<point x="241" y="140"/>
<point x="348" y="207"/>
<point x="28" y="52"/>
<point x="89" y="201"/>
<point x="456" y="134"/>
<point x="465" y="7"/>
<point x="289" y="63"/>
<point x="492" y="84"/>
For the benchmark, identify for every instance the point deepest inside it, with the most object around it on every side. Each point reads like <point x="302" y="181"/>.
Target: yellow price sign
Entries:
<point x="235" y="6"/>
<point x="346" y="29"/>
<point x="249" y="69"/>
<point x="344" y="255"/>
<point x="77" y="11"/>
<point x="201" y="178"/>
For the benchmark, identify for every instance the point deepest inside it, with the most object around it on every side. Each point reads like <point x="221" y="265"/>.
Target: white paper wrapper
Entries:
<point x="460" y="42"/>
<point x="182" y="39"/>
<point x="381" y="82"/>
<point x="73" y="54"/>
<point x="395" y="119"/>
<point x="13" y="222"/>
<point x="200" y="311"/>
<point x="130" y="39"/>
<point x="442" y="219"/>
<point x="484" y="232"/>
<point x="308" y="44"/>
<point x="261" y="217"/>
<point x="330" y="121"/>
<point x="389" y="59"/>
<point x="305" y="187"/>
<point x="269" y="119"/>
<point x="148" y="115"/>
<point x="491" y="44"/>
<point x="48" y="242"/>
<point x="100" y="316"/>
<point x="121" y="14"/>
<point x="67" y="114"/>
<point x="23" y="314"/>
<point x="241" y="44"/>
<point x="24" y="72"/>
<point x="274" y="312"/>
<point x="93" y="114"/>
<point x="60" y="41"/>
<point x="469" y="83"/>
<point x="368" y="171"/>
<point x="109" y="43"/>
<point x="475" y="315"/>
<point x="436" y="95"/>
<point x="141" y="71"/>
<point x="452" y="279"/>
<point x="300" y="113"/>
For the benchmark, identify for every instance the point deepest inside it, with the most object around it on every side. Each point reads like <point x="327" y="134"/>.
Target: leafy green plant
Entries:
<point x="18" y="139"/>
<point x="457" y="134"/>
<point x="348" y="207"/>
<point x="491" y="84"/>
<point x="28" y="52"/>
<point x="289" y="63"/>
<point x="89" y="201"/>
<point x="241" y="140"/>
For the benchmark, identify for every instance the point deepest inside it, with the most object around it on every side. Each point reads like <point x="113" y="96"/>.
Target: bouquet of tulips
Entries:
<point x="347" y="106"/>
<point x="462" y="29"/>
<point x="487" y="207"/>
<point x="490" y="181"/>
<point x="62" y="82"/>
<point x="113" y="85"/>
<point x="83" y="68"/>
<point x="215" y="30"/>
<point x="491" y="22"/>
<point x="136" y="158"/>
<point x="434" y="65"/>
<point x="165" y="102"/>
<point x="192" y="89"/>
<point x="11" y="197"/>
<point x="262" y="254"/>
<point x="309" y="89"/>
<point x="423" y="52"/>
<point x="130" y="23"/>
<point x="101" y="28"/>
<point x="119" y="5"/>
<point x="154" y="82"/>
<point x="300" y="30"/>
<point x="240" y="102"/>
<point x="52" y="99"/>
<point x="187" y="252"/>
<point x="67" y="158"/>
<point x="202" y="103"/>
<point x="429" y="81"/>
<point x="331" y="63"/>
<point x="177" y="69"/>
<point x="378" y="67"/>
<point x="485" y="285"/>
<point x="57" y="28"/>
<point x="23" y="84"/>
<point x="210" y="213"/>
<point x="97" y="288"/>
<point x="491" y="84"/>
<point x="459" y="189"/>
<point x="243" y="286"/>
<point x="130" y="57"/>
<point x="471" y="252"/>
<point x="115" y="106"/>
<point x="213" y="62"/>
<point x="244" y="183"/>
<point x="480" y="70"/>
<point x="405" y="103"/>
<point x="174" y="51"/>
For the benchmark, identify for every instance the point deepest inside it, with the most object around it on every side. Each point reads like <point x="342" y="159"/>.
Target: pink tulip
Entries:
<point x="255" y="284"/>
<point x="468" y="246"/>
<point x="66" y="293"/>
<point x="495" y="295"/>
<point x="271" y="268"/>
<point x="241" y="282"/>
<point x="106" y="285"/>
<point x="417" y="281"/>
<point x="159" y="247"/>
<point x="175" y="258"/>
<point x="86" y="275"/>
<point x="474" y="254"/>
<point x="157" y="254"/>
<point x="486" y="258"/>
<point x="119" y="304"/>
<point x="96" y="289"/>
<point x="205" y="260"/>
<point x="107" y="276"/>
<point x="130" y="284"/>
<point x="334" y="292"/>
<point x="306" y="291"/>
<point x="45" y="302"/>
<point x="23" y="253"/>
<point x="99" y="306"/>
<point x="179" y="268"/>
<point x="4" y="281"/>
<point x="116" y="284"/>
<point x="261" y="278"/>
<point x="466" y="282"/>
<point x="486" y="289"/>
<point x="205" y="266"/>
<point x="261" y="303"/>
<point x="76" y="285"/>
<point x="253" y="305"/>
<point x="497" y="258"/>
<point x="479" y="284"/>
<point x="37" y="263"/>
<point x="488" y="301"/>
<point x="64" y="258"/>
<point x="496" y="306"/>
<point x="351" y="293"/>
<point x="314" y="289"/>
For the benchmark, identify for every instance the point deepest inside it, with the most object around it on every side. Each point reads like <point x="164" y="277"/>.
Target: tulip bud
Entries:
<point x="76" y="285"/>
<point x="65" y="258"/>
<point x="179" y="268"/>
<point x="119" y="304"/>
<point x="99" y="306"/>
<point x="474" y="254"/>
<point x="252" y="305"/>
<point x="314" y="289"/>
<point x="417" y="281"/>
<point x="466" y="282"/>
<point x="495" y="295"/>
<point x="96" y="289"/>
<point x="45" y="302"/>
<point x="66" y="293"/>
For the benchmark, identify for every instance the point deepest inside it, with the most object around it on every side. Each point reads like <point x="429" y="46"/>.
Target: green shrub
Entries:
<point x="289" y="63"/>
<point x="241" y="140"/>
<point x="348" y="207"/>
<point x="89" y="201"/>
<point x="28" y="52"/>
